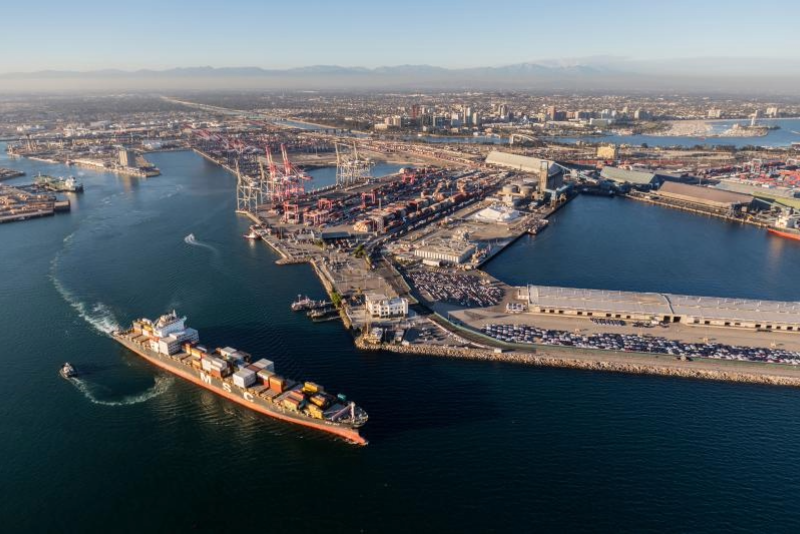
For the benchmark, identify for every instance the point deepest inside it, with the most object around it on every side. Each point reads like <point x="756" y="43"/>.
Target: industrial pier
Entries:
<point x="17" y="204"/>
<point x="7" y="174"/>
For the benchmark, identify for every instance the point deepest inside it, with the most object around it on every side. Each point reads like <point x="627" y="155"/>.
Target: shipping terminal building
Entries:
<point x="763" y="315"/>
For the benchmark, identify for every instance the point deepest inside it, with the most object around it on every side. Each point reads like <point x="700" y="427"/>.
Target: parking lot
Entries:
<point x="468" y="290"/>
<point x="638" y="343"/>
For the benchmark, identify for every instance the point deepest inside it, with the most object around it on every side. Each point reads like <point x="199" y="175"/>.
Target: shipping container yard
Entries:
<point x="17" y="204"/>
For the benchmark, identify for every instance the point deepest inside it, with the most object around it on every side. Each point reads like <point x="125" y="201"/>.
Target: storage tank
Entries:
<point x="510" y="189"/>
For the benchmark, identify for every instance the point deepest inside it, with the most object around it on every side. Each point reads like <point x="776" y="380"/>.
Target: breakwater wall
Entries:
<point x="699" y="370"/>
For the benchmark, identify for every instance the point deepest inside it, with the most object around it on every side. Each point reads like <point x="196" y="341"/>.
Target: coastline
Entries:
<point x="571" y="358"/>
<point x="554" y="356"/>
<point x="633" y="363"/>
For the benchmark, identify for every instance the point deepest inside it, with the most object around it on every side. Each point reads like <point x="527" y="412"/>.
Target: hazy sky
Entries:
<point x="91" y="34"/>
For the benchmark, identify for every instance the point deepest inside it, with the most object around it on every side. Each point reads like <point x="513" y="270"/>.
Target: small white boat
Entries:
<point x="67" y="371"/>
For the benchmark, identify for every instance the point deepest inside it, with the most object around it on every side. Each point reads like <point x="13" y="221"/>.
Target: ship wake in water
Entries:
<point x="162" y="384"/>
<point x="192" y="240"/>
<point x="98" y="315"/>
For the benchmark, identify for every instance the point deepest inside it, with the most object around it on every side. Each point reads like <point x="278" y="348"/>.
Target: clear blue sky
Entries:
<point x="90" y="34"/>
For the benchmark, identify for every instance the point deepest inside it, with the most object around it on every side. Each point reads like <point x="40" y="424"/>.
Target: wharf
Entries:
<point x="540" y="224"/>
<point x="678" y="206"/>
<point x="102" y="166"/>
<point x="17" y="204"/>
<point x="7" y="174"/>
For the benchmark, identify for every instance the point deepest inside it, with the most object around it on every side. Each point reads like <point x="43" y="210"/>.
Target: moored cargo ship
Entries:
<point x="57" y="184"/>
<point x="787" y="226"/>
<point x="230" y="373"/>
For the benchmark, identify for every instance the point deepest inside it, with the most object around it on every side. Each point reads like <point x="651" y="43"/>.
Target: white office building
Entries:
<point x="379" y="305"/>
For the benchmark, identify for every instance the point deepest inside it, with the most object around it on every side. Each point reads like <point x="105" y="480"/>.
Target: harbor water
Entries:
<point x="455" y="446"/>
<point x="788" y="132"/>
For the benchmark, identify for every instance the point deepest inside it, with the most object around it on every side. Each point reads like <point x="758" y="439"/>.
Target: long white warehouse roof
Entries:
<point x="660" y="304"/>
<point x="519" y="162"/>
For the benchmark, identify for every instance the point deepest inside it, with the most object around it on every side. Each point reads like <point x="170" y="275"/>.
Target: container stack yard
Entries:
<point x="17" y="204"/>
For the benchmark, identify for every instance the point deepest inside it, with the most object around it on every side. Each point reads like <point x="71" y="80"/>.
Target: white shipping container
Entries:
<point x="244" y="378"/>
<point x="265" y="364"/>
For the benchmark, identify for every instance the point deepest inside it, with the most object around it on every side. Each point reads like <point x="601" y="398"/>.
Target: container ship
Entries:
<point x="787" y="226"/>
<point x="57" y="184"/>
<point x="168" y="343"/>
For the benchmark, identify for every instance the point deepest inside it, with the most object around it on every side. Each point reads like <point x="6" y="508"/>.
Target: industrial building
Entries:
<point x="666" y="308"/>
<point x="636" y="179"/>
<point x="705" y="197"/>
<point x="608" y="152"/>
<point x="498" y="214"/>
<point x="454" y="251"/>
<point x="551" y="175"/>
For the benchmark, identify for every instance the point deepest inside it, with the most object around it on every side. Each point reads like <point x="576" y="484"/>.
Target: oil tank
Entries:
<point x="511" y="189"/>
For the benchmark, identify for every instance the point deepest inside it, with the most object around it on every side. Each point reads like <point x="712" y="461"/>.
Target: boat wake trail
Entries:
<point x="192" y="240"/>
<point x="98" y="315"/>
<point x="162" y="384"/>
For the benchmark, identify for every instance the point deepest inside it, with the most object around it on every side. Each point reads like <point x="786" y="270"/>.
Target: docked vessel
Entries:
<point x="67" y="371"/>
<point x="787" y="226"/>
<point x="252" y="235"/>
<point x="58" y="184"/>
<point x="306" y="304"/>
<point x="230" y="373"/>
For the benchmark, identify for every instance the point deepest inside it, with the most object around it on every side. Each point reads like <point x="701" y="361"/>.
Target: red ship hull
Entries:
<point x="787" y="235"/>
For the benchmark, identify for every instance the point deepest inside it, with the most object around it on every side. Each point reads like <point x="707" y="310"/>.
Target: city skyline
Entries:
<point x="466" y="35"/>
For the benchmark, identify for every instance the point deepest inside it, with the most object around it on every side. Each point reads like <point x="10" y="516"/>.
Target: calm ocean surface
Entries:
<point x="454" y="446"/>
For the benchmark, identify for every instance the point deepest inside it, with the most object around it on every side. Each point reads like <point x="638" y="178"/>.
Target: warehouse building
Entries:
<point x="704" y="197"/>
<point x="550" y="175"/>
<point x="453" y="252"/>
<point x="498" y="214"/>
<point x="748" y="314"/>
<point x="636" y="179"/>
<point x="519" y="162"/>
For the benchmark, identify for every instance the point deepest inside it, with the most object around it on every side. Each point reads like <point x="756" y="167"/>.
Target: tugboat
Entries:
<point x="67" y="371"/>
<point x="252" y="235"/>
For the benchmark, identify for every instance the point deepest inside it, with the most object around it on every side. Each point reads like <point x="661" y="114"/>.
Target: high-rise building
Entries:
<point x="773" y="112"/>
<point x="551" y="113"/>
<point x="502" y="110"/>
<point x="466" y="119"/>
<point x="714" y="113"/>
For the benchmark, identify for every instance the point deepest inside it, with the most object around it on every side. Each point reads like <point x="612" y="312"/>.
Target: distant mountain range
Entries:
<point x="523" y="69"/>
<point x="719" y="74"/>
